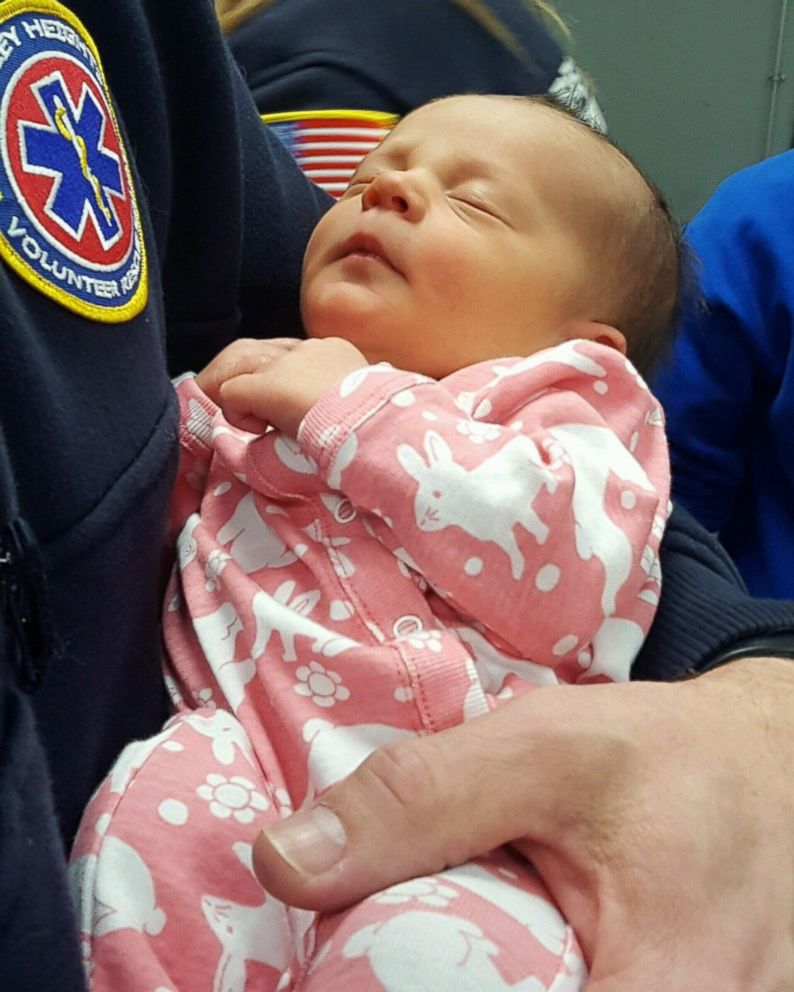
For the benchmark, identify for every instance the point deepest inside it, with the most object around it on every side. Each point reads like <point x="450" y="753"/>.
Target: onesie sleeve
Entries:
<point x="530" y="493"/>
<point x="202" y="431"/>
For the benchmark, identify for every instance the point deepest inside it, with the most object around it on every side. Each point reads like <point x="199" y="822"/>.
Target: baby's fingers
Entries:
<point x="246" y="355"/>
<point x="245" y="401"/>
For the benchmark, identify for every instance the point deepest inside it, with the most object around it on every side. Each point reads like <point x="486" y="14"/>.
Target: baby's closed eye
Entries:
<point x="471" y="203"/>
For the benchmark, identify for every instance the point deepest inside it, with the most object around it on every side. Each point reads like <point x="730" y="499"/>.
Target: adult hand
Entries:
<point x="275" y="382"/>
<point x="661" y="818"/>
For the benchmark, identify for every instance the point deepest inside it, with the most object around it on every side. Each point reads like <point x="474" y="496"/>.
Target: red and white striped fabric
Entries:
<point x="328" y="145"/>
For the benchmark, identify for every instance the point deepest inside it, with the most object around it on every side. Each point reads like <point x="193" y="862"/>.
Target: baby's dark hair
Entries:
<point x="645" y="264"/>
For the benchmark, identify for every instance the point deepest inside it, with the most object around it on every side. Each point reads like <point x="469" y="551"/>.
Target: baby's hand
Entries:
<point x="275" y="382"/>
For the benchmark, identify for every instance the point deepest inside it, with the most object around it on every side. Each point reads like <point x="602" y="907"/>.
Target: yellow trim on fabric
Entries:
<point x="371" y="116"/>
<point x="106" y="315"/>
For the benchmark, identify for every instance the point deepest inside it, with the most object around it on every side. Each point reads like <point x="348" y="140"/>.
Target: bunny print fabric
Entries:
<point x="423" y="551"/>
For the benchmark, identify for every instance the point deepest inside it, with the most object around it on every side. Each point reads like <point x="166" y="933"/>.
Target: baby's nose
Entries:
<point x="395" y="191"/>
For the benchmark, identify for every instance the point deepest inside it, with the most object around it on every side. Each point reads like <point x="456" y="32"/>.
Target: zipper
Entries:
<point x="24" y="605"/>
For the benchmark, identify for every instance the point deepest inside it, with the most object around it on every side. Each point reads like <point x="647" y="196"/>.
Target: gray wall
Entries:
<point x="685" y="84"/>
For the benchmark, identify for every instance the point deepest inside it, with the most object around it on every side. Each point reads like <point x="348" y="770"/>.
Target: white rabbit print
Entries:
<point x="254" y="544"/>
<point x="463" y="958"/>
<point x="488" y="501"/>
<point x="288" y="615"/>
<point x="422" y="552"/>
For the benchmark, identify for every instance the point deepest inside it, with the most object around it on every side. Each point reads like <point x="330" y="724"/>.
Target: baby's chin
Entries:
<point x="356" y="324"/>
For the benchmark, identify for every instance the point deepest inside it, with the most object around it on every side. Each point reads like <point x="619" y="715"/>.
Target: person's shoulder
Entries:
<point x="397" y="55"/>
<point x="761" y="194"/>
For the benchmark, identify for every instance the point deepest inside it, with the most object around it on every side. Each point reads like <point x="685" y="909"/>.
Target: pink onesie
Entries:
<point x="423" y="551"/>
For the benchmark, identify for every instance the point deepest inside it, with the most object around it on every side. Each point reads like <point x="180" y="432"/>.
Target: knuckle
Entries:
<point x="404" y="774"/>
<point x="406" y="779"/>
<point x="237" y="350"/>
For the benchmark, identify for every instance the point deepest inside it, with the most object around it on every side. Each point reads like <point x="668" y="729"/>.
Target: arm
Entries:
<point x="658" y="816"/>
<point x="231" y="211"/>
<point x="733" y="352"/>
<point x="705" y="613"/>
<point x="570" y="434"/>
<point x="487" y="497"/>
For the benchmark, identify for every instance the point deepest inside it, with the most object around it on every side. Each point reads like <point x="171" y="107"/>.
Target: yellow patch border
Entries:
<point x="105" y="315"/>
<point x="378" y="117"/>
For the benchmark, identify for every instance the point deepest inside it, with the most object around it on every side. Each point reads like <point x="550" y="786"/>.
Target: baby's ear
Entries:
<point x="591" y="330"/>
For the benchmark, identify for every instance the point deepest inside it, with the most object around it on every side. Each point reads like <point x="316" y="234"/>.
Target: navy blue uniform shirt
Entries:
<point x="389" y="55"/>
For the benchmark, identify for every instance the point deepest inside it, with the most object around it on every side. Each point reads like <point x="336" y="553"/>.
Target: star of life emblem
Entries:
<point x="69" y="220"/>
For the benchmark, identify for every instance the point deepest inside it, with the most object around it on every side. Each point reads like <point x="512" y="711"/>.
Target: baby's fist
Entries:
<point x="283" y="391"/>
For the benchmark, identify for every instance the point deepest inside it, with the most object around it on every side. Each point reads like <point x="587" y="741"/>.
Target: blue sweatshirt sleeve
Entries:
<point x="731" y="357"/>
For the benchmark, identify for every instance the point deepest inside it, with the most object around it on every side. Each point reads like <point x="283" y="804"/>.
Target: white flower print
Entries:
<point x="428" y="891"/>
<point x="323" y="686"/>
<point x="204" y="698"/>
<point x="476" y="431"/>
<point x="235" y="796"/>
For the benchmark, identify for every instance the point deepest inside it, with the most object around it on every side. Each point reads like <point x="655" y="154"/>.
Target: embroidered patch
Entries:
<point x="330" y="144"/>
<point x="69" y="221"/>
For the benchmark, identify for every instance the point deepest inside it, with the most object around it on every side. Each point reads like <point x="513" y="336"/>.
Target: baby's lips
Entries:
<point x="367" y="244"/>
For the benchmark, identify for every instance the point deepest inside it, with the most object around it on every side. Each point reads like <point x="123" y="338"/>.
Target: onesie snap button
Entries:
<point x="344" y="511"/>
<point x="407" y="625"/>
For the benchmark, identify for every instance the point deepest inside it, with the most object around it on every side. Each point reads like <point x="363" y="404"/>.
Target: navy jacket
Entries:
<point x="88" y="435"/>
<point x="391" y="55"/>
<point x="89" y="421"/>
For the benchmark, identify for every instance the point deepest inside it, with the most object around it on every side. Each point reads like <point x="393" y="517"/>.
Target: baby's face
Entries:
<point x="457" y="240"/>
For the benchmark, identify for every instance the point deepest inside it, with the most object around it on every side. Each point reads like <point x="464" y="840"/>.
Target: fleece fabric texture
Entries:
<point x="386" y="55"/>
<point x="729" y="390"/>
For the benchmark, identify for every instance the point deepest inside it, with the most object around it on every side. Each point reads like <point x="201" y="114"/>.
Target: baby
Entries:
<point x="453" y="492"/>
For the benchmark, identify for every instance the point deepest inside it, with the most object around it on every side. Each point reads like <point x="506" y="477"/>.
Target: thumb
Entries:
<point x="429" y="803"/>
<point x="621" y="983"/>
